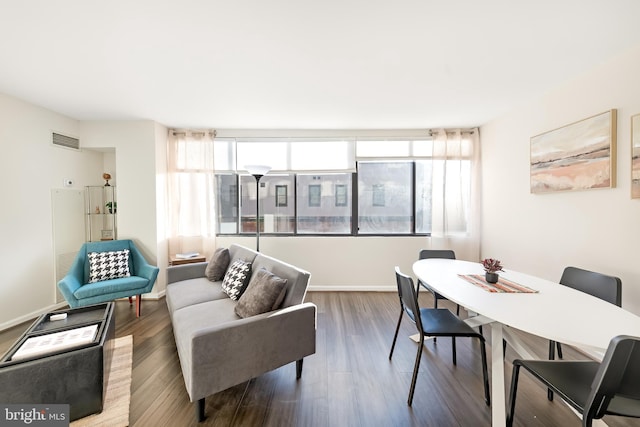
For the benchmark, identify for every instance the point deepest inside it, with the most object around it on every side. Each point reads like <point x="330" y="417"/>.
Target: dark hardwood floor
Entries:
<point x="348" y="382"/>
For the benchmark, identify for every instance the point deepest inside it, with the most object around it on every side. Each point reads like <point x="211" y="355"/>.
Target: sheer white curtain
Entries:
<point x="191" y="188"/>
<point x="456" y="192"/>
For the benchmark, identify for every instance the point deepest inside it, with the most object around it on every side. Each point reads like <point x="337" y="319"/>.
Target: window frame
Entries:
<point x="415" y="153"/>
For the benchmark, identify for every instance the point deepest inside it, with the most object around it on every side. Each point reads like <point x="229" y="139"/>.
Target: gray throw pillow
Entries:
<point x="264" y="293"/>
<point x="218" y="264"/>
<point x="236" y="279"/>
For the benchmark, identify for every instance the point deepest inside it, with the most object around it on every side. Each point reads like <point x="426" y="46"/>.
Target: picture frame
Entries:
<point x="578" y="156"/>
<point x="635" y="156"/>
<point x="107" y="234"/>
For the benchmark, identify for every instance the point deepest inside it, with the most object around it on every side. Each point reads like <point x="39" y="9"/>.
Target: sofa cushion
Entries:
<point x="108" y="265"/>
<point x="236" y="279"/>
<point x="264" y="293"/>
<point x="192" y="291"/>
<point x="112" y="286"/>
<point x="218" y="264"/>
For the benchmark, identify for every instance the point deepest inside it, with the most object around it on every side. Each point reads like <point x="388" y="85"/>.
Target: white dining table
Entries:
<point x="555" y="312"/>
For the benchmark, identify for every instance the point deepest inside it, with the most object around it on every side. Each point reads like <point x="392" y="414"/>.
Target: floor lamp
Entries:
<point x="258" y="171"/>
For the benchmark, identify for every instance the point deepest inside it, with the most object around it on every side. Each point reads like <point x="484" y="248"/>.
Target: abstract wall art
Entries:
<point x="578" y="156"/>
<point x="635" y="156"/>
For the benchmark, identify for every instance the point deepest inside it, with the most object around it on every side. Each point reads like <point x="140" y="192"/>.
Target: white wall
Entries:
<point x="135" y="145"/>
<point x="342" y="263"/>
<point x="595" y="229"/>
<point x="162" y="241"/>
<point x="30" y="167"/>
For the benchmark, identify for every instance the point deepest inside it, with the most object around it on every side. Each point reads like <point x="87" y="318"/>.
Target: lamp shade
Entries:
<point x="257" y="169"/>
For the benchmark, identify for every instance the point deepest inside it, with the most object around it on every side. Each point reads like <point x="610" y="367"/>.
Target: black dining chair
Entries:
<point x="607" y="288"/>
<point x="436" y="322"/>
<point x="594" y="389"/>
<point x="437" y="253"/>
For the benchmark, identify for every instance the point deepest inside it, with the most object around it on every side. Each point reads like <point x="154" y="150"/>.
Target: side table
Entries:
<point x="179" y="261"/>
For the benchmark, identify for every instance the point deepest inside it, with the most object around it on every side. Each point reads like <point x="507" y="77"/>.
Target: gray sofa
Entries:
<point x="217" y="348"/>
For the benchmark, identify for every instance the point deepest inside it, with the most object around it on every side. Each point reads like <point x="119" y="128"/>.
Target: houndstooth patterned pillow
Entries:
<point x="236" y="279"/>
<point x="108" y="265"/>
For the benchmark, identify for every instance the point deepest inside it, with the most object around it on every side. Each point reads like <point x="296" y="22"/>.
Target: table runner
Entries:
<point x="503" y="285"/>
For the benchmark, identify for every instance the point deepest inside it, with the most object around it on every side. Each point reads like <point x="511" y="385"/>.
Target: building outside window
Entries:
<point x="315" y="194"/>
<point x="281" y="196"/>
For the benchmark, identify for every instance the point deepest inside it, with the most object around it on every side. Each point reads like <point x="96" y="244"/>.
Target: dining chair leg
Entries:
<point x="395" y="337"/>
<point x="435" y="305"/>
<point x="416" y="367"/>
<point x="552" y="356"/>
<point x="453" y="350"/>
<point x="485" y="373"/>
<point x="512" y="395"/>
<point x="559" y="347"/>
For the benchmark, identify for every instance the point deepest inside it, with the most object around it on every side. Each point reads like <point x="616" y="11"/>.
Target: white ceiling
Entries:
<point x="303" y="64"/>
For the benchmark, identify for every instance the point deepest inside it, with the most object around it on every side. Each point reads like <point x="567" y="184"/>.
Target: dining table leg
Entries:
<point x="498" y="405"/>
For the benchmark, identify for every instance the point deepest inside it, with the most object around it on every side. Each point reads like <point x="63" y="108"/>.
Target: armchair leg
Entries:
<point x="130" y="300"/>
<point x="138" y="305"/>
<point x="200" y="410"/>
<point x="299" y="368"/>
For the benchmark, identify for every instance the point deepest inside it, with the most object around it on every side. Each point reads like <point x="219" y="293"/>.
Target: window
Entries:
<point x="281" y="196"/>
<point x="315" y="195"/>
<point x="378" y="195"/>
<point x="341" y="195"/>
<point x="385" y="197"/>
<point x="296" y="154"/>
<point x="318" y="208"/>
<point x="227" y="203"/>
<point x="343" y="187"/>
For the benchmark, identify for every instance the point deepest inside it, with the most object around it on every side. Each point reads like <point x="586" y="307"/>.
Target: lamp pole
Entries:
<point x="258" y="171"/>
<point x="257" y="177"/>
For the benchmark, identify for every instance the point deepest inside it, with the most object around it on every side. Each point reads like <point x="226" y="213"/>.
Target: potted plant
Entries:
<point x="491" y="268"/>
<point x="112" y="206"/>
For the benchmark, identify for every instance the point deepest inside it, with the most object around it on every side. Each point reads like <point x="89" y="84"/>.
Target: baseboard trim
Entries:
<point x="154" y="295"/>
<point x="31" y="316"/>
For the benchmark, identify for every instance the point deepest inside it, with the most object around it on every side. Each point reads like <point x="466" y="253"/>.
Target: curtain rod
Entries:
<point x="194" y="132"/>
<point x="436" y="131"/>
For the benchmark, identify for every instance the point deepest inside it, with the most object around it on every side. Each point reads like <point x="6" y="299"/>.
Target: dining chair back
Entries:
<point x="607" y="288"/>
<point x="611" y="387"/>
<point x="436" y="253"/>
<point x="433" y="322"/>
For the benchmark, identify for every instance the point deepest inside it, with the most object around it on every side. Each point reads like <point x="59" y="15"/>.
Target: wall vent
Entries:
<point x="66" y="141"/>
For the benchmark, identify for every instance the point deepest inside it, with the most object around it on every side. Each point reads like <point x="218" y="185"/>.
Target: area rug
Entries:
<point x="115" y="412"/>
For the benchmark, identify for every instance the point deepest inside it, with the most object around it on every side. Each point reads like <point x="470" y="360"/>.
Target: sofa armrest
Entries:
<point x="230" y="353"/>
<point x="178" y="273"/>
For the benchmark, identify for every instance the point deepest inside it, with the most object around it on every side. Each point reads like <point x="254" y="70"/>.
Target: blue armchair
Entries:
<point x="78" y="292"/>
